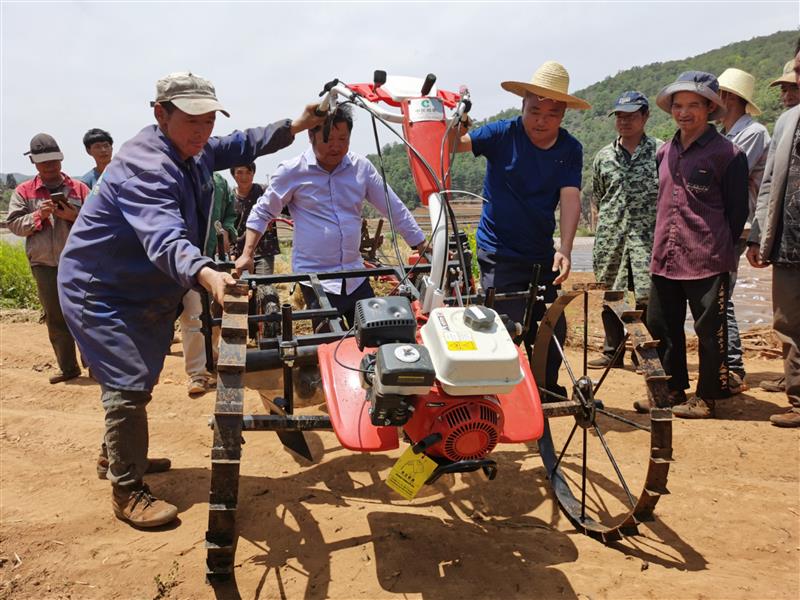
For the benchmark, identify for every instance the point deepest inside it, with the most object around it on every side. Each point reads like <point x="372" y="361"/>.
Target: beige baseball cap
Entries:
<point x="191" y="93"/>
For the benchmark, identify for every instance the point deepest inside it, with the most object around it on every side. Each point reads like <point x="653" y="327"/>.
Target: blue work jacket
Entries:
<point x="136" y="248"/>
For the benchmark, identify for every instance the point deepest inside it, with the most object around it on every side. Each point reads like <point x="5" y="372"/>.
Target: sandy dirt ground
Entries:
<point x="729" y="529"/>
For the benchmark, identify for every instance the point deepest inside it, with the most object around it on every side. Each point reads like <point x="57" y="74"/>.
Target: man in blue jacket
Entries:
<point x="133" y="254"/>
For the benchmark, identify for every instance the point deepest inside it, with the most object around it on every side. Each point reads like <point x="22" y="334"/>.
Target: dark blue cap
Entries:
<point x="629" y="102"/>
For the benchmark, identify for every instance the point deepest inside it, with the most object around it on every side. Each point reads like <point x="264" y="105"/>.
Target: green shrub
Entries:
<point x="17" y="287"/>
<point x="473" y="246"/>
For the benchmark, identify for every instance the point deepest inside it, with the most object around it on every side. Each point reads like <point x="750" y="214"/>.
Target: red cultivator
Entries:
<point x="434" y="365"/>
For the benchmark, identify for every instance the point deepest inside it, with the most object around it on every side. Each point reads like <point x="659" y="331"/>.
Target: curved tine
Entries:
<point x="631" y="499"/>
<point x="622" y="419"/>
<point x="583" y="479"/>
<point x="569" y="369"/>
<point x="564" y="449"/>
<point x="585" y="332"/>
<point x="620" y="350"/>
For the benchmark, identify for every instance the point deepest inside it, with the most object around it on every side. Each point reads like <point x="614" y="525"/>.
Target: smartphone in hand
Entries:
<point x="59" y="200"/>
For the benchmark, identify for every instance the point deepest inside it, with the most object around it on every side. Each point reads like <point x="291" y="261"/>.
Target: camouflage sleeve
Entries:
<point x="228" y="213"/>
<point x="598" y="184"/>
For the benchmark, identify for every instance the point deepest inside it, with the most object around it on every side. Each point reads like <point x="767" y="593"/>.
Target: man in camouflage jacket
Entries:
<point x="624" y="193"/>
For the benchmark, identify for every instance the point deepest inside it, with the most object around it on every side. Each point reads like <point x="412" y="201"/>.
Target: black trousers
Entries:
<point x="263" y="265"/>
<point x="613" y="328"/>
<point x="512" y="276"/>
<point x="344" y="303"/>
<point x="666" y="315"/>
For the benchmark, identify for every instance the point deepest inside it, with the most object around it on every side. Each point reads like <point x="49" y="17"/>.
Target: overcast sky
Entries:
<point x="70" y="66"/>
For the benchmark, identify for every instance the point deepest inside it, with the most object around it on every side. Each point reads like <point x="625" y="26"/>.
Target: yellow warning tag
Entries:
<point x="409" y="473"/>
<point x="457" y="346"/>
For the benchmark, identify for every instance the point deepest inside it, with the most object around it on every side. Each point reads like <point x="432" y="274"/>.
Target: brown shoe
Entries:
<point x="154" y="465"/>
<point x="694" y="408"/>
<point x="791" y="418"/>
<point x="604" y="361"/>
<point x="140" y="508"/>
<point x="675" y="397"/>
<point x="736" y="383"/>
<point x="774" y="385"/>
<point x="61" y="376"/>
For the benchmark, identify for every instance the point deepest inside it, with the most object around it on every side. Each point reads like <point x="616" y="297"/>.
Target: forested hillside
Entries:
<point x="763" y="57"/>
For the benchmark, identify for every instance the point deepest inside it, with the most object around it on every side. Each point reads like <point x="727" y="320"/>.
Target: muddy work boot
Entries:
<point x="774" y="385"/>
<point x="790" y="418"/>
<point x="605" y="360"/>
<point x="694" y="408"/>
<point x="737" y="383"/>
<point x="140" y="508"/>
<point x="154" y="465"/>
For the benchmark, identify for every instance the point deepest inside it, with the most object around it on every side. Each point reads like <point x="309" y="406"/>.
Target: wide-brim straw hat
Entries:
<point x="698" y="82"/>
<point x="551" y="81"/>
<point x="743" y="85"/>
<point x="788" y="75"/>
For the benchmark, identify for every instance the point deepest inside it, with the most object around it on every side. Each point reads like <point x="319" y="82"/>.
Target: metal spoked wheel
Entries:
<point x="607" y="465"/>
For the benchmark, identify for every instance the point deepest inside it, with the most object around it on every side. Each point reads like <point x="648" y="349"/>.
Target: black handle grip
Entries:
<point x="430" y="79"/>
<point x="326" y="130"/>
<point x="378" y="78"/>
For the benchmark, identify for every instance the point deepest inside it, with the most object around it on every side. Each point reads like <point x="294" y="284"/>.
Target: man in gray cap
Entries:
<point x="42" y="211"/>
<point x="133" y="253"/>
<point x="701" y="211"/>
<point x="624" y="191"/>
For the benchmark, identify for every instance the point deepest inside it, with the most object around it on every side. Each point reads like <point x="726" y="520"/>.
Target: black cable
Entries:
<point x="386" y="192"/>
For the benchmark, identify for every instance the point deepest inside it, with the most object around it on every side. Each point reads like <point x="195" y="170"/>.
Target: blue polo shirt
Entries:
<point x="522" y="186"/>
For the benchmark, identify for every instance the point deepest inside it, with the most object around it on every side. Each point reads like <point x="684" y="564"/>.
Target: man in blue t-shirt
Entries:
<point x="533" y="166"/>
<point x="99" y="145"/>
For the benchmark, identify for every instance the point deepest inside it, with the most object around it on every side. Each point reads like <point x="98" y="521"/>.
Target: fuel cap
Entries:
<point x="479" y="318"/>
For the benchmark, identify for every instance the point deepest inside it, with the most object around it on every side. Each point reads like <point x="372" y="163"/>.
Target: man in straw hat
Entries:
<point x="132" y="254"/>
<point x="702" y="209"/>
<point x="790" y="92"/>
<point x="533" y="167"/>
<point x="736" y="91"/>
<point x="775" y="239"/>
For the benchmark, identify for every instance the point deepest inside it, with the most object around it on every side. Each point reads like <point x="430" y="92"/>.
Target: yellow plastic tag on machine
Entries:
<point x="410" y="473"/>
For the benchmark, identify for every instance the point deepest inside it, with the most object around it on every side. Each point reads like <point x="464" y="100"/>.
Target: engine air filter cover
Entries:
<point x="383" y="320"/>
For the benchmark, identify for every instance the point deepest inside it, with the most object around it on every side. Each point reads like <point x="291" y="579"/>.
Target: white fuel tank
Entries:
<point x="471" y="350"/>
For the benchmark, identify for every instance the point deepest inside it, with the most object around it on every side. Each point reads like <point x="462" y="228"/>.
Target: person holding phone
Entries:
<point x="42" y="210"/>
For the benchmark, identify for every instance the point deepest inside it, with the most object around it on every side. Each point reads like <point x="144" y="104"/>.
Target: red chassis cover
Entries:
<point x="348" y="406"/>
